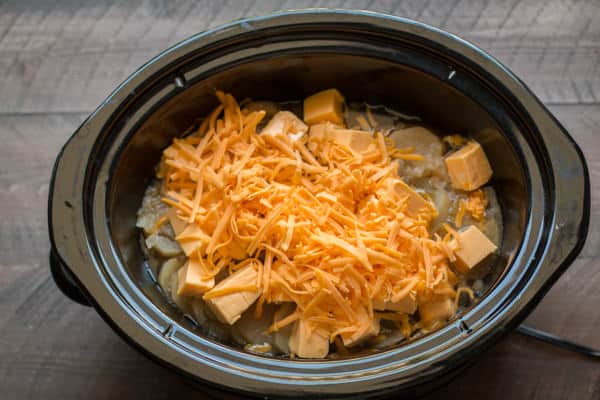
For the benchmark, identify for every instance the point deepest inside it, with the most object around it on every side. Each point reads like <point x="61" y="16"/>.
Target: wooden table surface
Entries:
<point x="60" y="59"/>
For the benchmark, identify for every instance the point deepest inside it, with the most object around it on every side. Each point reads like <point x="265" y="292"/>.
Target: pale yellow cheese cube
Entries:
<point x="177" y="223"/>
<point x="407" y="305"/>
<point x="439" y="310"/>
<point x="285" y="123"/>
<point x="192" y="239"/>
<point x="359" y="141"/>
<point x="228" y="308"/>
<point x="325" y="106"/>
<point x="473" y="247"/>
<point x="318" y="132"/>
<point x="415" y="203"/>
<point x="192" y="280"/>
<point x="308" y="342"/>
<point x="468" y="167"/>
<point x="368" y="327"/>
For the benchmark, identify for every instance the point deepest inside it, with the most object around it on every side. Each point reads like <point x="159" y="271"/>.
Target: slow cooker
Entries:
<point x="100" y="175"/>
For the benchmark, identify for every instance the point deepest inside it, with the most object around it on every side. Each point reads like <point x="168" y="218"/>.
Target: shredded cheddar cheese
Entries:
<point x="318" y="216"/>
<point x="460" y="214"/>
<point x="476" y="204"/>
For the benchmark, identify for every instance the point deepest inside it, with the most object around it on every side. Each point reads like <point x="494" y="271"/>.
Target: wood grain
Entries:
<point x="58" y="60"/>
<point x="68" y="56"/>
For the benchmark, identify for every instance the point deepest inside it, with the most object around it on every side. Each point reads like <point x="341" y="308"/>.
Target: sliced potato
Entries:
<point x="425" y="143"/>
<point x="421" y="139"/>
<point x="254" y="330"/>
<point x="163" y="246"/>
<point x="169" y="268"/>
<point x="281" y="338"/>
<point x="181" y="301"/>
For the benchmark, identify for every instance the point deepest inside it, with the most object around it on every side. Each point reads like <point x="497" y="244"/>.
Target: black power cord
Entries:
<point x="559" y="342"/>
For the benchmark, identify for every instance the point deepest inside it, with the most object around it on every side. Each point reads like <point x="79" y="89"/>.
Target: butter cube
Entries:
<point x="325" y="106"/>
<point x="368" y="327"/>
<point x="436" y="311"/>
<point x="468" y="167"/>
<point x="229" y="307"/>
<point x="308" y="342"/>
<point x="192" y="281"/>
<point x="415" y="203"/>
<point x="285" y="123"/>
<point x="474" y="247"/>
<point x="407" y="305"/>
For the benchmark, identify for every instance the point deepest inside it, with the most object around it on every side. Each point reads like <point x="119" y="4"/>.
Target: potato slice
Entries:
<point x="169" y="268"/>
<point x="163" y="246"/>
<point x="421" y="139"/>
<point x="425" y="143"/>
<point x="281" y="338"/>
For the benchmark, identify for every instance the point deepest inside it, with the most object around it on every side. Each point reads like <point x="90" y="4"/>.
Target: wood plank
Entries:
<point x="53" y="348"/>
<point x="68" y="56"/>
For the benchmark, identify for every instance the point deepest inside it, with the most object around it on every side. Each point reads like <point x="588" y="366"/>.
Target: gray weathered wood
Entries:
<point x="68" y="56"/>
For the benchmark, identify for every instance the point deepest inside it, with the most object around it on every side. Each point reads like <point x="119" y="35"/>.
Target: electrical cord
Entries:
<point x="559" y="342"/>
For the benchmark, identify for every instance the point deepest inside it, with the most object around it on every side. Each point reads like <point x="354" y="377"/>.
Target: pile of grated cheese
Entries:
<point x="317" y="216"/>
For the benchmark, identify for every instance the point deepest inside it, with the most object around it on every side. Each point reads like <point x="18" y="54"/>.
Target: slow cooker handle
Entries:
<point x="572" y="202"/>
<point x="65" y="280"/>
<point x="571" y="223"/>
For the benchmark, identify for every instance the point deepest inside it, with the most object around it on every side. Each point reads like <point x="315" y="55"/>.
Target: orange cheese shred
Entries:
<point x="318" y="211"/>
<point x="476" y="204"/>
